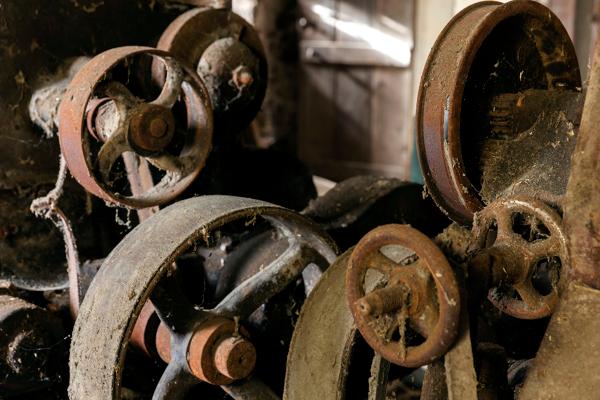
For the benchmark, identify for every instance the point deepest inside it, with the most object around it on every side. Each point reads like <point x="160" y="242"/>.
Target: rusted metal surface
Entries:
<point x="145" y="332"/>
<point x="151" y="249"/>
<point x="209" y="359"/>
<point x="568" y="357"/>
<point x="31" y="347"/>
<point x="227" y="54"/>
<point x="512" y="238"/>
<point x="151" y="128"/>
<point x="582" y="213"/>
<point x="326" y="331"/>
<point x="181" y="166"/>
<point x="32" y="50"/>
<point x="408" y="295"/>
<point x="471" y="62"/>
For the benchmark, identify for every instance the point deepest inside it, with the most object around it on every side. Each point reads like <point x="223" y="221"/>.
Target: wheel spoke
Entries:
<point x="529" y="295"/>
<point x="271" y="280"/>
<point x="119" y="92"/>
<point x="252" y="389"/>
<point x="172" y="306"/>
<point x="549" y="246"/>
<point x="111" y="151"/>
<point x="166" y="162"/>
<point x="174" y="383"/>
<point x="505" y="228"/>
<point x="381" y="263"/>
<point x="172" y="87"/>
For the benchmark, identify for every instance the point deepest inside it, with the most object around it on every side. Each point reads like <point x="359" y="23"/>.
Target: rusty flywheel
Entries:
<point x="201" y="340"/>
<point x="102" y="121"/>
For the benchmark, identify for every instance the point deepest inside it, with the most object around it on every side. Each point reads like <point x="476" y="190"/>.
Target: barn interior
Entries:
<point x="299" y="199"/>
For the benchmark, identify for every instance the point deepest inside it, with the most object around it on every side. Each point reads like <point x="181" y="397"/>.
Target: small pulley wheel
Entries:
<point x="486" y="50"/>
<point x="521" y="242"/>
<point x="228" y="55"/>
<point x="202" y="337"/>
<point x="102" y="122"/>
<point x="418" y="286"/>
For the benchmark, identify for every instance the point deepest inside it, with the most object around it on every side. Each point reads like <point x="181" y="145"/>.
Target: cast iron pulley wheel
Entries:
<point x="418" y="286"/>
<point x="102" y="121"/>
<point x="227" y="53"/>
<point x="486" y="50"/>
<point x="200" y="342"/>
<point x="521" y="242"/>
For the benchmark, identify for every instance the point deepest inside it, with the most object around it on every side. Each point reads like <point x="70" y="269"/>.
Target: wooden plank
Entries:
<point x="352" y="96"/>
<point x="317" y="82"/>
<point x="391" y="114"/>
<point x="565" y="10"/>
<point x="367" y="126"/>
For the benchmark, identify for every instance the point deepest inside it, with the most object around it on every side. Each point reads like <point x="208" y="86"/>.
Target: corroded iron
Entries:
<point x="486" y="50"/>
<point x="143" y="265"/>
<point x="567" y="361"/>
<point x="130" y="124"/>
<point x="419" y="287"/>
<point x="513" y="237"/>
<point x="218" y="353"/>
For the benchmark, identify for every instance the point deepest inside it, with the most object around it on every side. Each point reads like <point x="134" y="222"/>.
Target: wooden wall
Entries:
<point x="360" y="119"/>
<point x="355" y="119"/>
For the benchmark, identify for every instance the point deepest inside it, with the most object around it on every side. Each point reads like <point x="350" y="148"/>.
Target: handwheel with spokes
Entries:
<point x="206" y="328"/>
<point x="418" y="286"/>
<point x="102" y="121"/>
<point x="521" y="242"/>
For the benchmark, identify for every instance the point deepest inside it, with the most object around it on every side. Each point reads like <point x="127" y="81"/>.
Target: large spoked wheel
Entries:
<point x="205" y="330"/>
<point x="113" y="124"/>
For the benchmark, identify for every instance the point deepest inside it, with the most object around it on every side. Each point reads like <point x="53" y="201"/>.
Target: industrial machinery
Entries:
<point x="492" y="307"/>
<point x="195" y="267"/>
<point x="141" y="127"/>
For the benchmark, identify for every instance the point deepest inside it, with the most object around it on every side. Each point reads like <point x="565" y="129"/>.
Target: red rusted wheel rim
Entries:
<point x="76" y="140"/>
<point x="448" y="151"/>
<point x="532" y="305"/>
<point x="442" y="335"/>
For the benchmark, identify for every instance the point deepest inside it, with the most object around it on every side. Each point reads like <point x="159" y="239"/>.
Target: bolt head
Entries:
<point x="151" y="128"/>
<point x="235" y="357"/>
